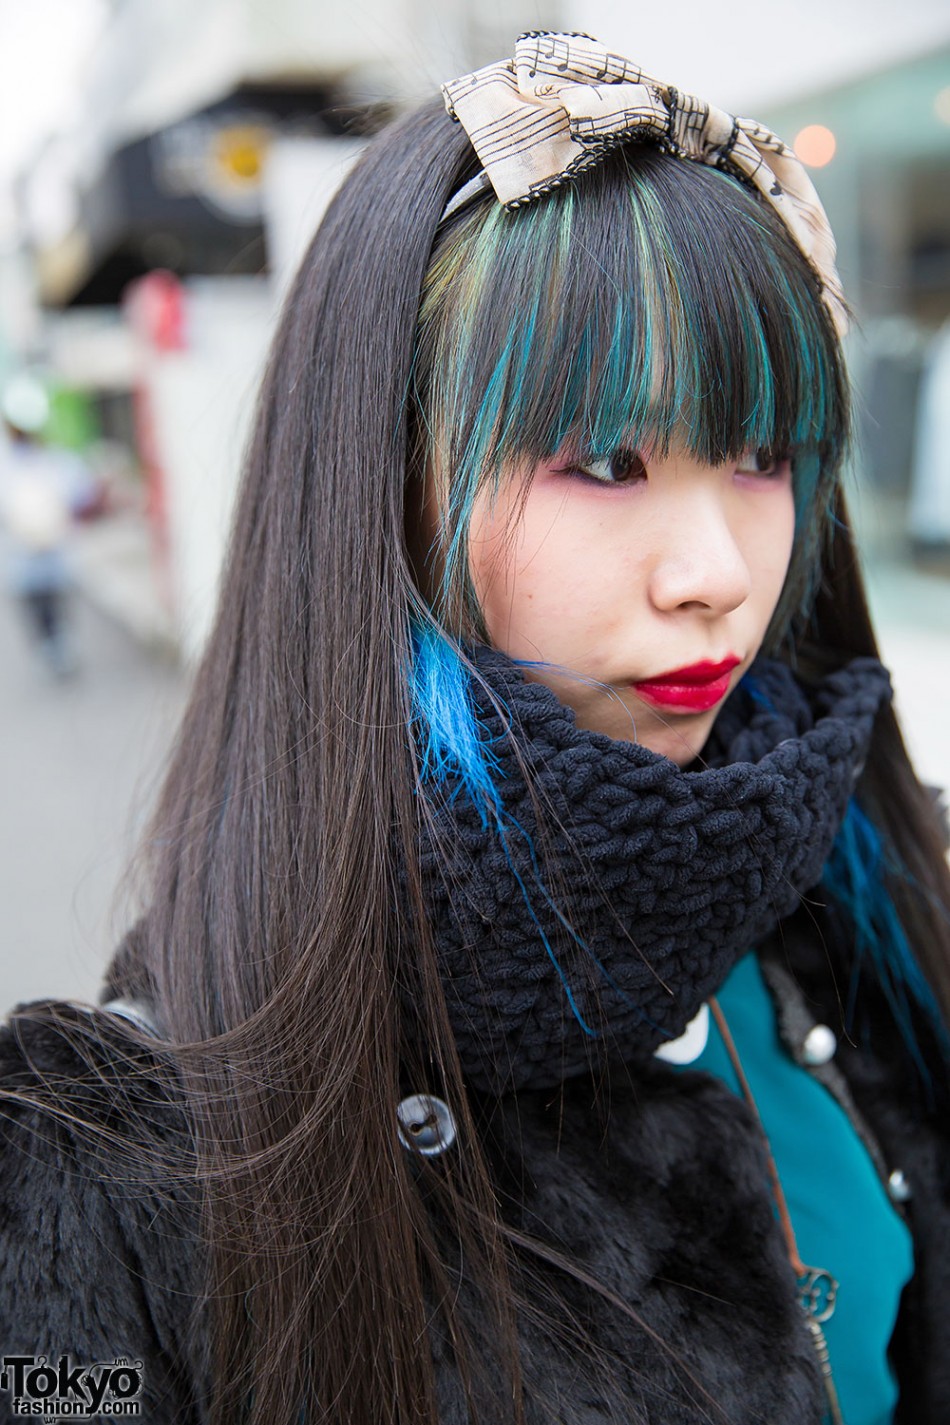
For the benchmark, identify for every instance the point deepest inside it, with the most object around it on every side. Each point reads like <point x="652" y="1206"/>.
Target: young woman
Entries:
<point x="538" y="1011"/>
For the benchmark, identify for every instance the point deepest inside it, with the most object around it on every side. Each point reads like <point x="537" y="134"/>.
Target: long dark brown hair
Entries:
<point x="279" y="947"/>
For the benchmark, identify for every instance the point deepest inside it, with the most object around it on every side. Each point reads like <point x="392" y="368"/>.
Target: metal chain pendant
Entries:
<point x="818" y="1294"/>
<point x="821" y="1346"/>
<point x="817" y="1288"/>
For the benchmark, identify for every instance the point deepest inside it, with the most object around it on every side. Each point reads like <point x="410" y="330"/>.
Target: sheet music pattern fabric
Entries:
<point x="564" y="101"/>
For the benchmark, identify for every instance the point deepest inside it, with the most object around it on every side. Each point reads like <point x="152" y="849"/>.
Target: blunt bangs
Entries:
<point x="653" y="301"/>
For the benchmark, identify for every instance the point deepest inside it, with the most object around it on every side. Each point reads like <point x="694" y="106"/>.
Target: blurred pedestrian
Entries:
<point x="42" y="490"/>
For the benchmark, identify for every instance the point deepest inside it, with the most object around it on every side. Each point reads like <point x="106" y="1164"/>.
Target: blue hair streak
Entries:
<point x="449" y="739"/>
<point x="454" y="746"/>
<point x="855" y="877"/>
<point x="652" y="302"/>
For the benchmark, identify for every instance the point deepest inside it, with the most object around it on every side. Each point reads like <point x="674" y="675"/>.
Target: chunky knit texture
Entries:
<point x="647" y="882"/>
<point x="652" y="1182"/>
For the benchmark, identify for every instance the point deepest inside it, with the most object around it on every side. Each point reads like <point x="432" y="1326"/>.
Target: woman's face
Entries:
<point x="652" y="579"/>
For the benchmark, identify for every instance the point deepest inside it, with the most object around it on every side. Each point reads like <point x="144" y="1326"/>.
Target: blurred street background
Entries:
<point x="162" y="165"/>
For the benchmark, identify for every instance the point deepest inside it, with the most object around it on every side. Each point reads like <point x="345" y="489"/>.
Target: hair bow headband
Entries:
<point x="564" y="101"/>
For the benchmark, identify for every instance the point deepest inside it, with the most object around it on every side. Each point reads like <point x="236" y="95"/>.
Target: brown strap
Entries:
<point x="798" y="1266"/>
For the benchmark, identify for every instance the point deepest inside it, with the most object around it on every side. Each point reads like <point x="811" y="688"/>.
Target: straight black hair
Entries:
<point x="284" y="944"/>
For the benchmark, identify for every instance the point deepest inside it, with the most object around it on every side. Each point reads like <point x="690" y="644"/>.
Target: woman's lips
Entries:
<point x="694" y="689"/>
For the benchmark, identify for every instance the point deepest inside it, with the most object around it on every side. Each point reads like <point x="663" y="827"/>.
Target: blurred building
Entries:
<point x="158" y="237"/>
<point x="882" y="145"/>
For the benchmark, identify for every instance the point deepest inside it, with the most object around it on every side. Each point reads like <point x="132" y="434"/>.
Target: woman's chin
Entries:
<point x="680" y="737"/>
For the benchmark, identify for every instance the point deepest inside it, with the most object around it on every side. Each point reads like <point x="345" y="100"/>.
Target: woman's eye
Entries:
<point x="760" y="462"/>
<point x="624" y="467"/>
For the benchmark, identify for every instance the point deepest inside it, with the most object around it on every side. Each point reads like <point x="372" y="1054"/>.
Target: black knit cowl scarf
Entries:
<point x="621" y="889"/>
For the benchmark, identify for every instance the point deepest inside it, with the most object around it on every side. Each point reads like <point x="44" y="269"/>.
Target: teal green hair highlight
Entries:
<point x="626" y="309"/>
<point x="652" y="302"/>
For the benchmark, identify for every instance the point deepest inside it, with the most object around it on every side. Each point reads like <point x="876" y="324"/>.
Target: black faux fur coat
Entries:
<point x="663" y="1200"/>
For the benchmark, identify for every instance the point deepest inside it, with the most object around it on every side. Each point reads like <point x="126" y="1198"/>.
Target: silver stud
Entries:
<point x="426" y="1124"/>
<point x="898" y="1188"/>
<point x="819" y="1045"/>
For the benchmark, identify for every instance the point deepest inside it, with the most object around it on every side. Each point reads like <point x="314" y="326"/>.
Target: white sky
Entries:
<point x="738" y="53"/>
<point x="44" y="45"/>
<point x="749" y="54"/>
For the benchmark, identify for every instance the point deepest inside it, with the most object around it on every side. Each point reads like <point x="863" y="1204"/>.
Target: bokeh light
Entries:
<point x="815" y="145"/>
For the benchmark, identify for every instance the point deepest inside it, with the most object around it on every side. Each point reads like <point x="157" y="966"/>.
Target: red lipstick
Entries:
<point x="694" y="689"/>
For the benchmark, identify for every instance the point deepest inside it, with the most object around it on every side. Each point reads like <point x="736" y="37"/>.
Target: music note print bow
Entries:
<point x="565" y="101"/>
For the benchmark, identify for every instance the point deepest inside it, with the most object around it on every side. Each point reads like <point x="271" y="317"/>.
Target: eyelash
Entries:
<point x="774" y="463"/>
<point x="629" y="462"/>
<point x="620" y="462"/>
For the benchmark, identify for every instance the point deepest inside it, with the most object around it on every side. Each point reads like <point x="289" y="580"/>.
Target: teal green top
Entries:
<point x="842" y="1216"/>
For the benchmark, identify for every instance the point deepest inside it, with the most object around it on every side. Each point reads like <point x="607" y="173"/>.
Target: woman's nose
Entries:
<point x="700" y="564"/>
